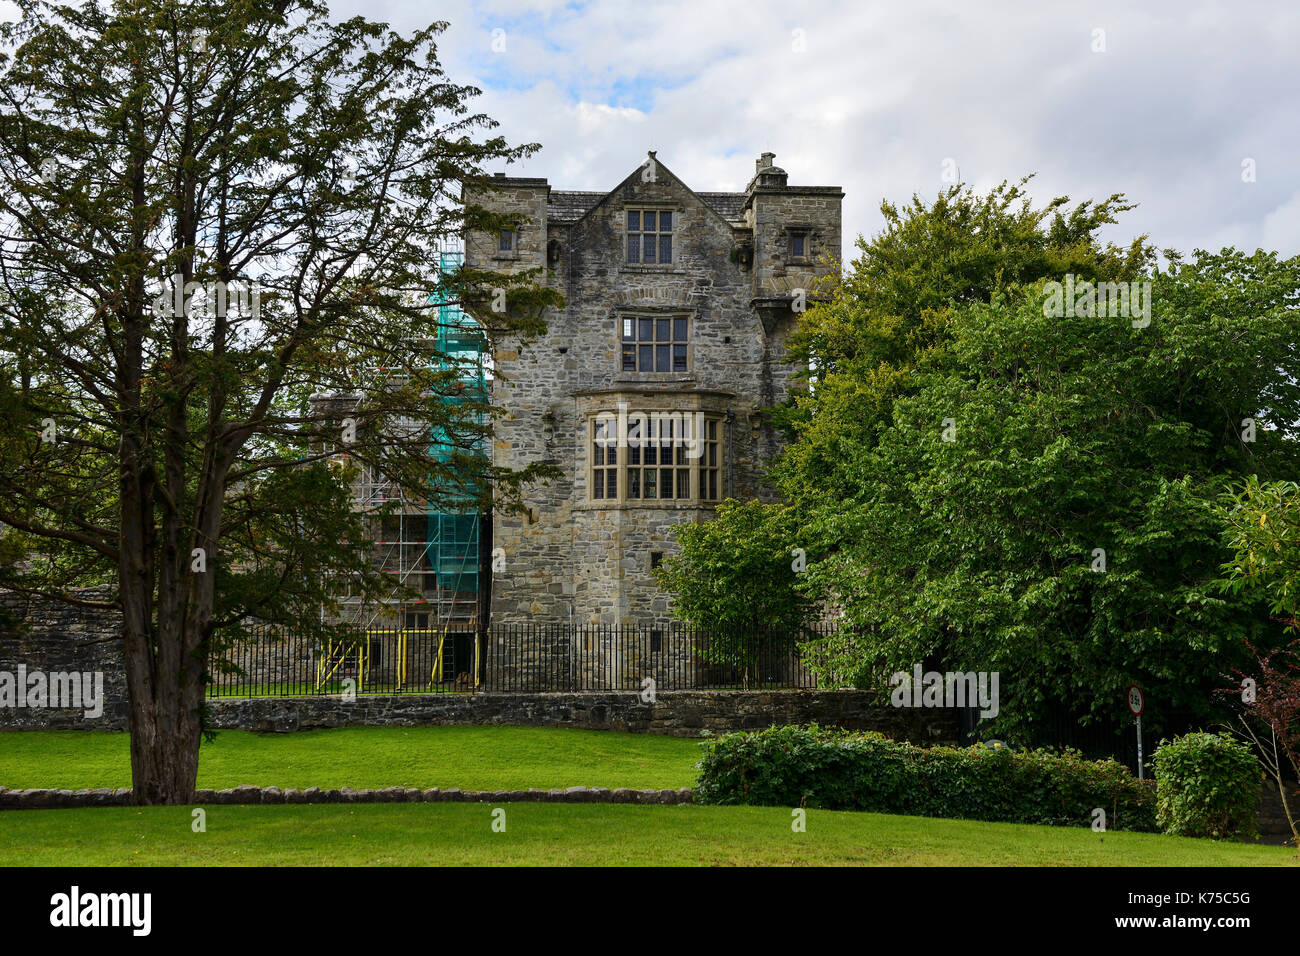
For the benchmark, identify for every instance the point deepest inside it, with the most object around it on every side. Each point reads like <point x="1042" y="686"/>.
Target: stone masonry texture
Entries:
<point x="733" y="278"/>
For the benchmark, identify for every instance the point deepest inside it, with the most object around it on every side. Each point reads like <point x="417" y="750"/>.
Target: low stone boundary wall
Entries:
<point x="55" y="799"/>
<point x="39" y="634"/>
<point x="676" y="713"/>
<point x="1271" y="818"/>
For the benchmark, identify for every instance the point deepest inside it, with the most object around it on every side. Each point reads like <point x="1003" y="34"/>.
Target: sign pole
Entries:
<point x="1139" y="746"/>
<point x="1135" y="707"/>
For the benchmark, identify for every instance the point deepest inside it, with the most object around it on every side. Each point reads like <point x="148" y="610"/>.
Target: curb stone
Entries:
<point x="248" y="794"/>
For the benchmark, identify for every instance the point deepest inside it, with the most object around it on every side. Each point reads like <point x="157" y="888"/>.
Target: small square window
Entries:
<point x="507" y="241"/>
<point x="656" y="559"/>
<point x="798" y="245"/>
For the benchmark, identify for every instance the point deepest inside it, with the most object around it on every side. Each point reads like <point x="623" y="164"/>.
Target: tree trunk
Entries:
<point x="164" y="660"/>
<point x="165" y="697"/>
<point x="165" y="735"/>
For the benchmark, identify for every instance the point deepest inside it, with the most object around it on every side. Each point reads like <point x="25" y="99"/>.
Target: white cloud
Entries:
<point x="597" y="118"/>
<point x="882" y="93"/>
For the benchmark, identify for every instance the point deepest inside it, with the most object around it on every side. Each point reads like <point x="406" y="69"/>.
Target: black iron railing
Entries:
<point x="514" y="657"/>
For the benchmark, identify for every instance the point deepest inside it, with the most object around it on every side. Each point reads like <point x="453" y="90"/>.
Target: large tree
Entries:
<point x="212" y="211"/>
<point x="1043" y="503"/>
<point x="991" y="487"/>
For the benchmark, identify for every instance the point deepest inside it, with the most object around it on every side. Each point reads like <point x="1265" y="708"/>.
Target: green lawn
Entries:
<point x="471" y="758"/>
<point x="461" y="834"/>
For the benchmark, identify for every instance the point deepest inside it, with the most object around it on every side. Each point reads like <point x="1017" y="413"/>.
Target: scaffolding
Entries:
<point x="432" y="548"/>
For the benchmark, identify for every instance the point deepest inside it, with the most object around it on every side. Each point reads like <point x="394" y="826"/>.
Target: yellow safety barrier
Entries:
<point x="335" y="655"/>
<point x="436" y="676"/>
<point x="401" y="658"/>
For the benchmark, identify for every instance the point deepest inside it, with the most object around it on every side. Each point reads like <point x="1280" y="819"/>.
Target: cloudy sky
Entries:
<point x="1162" y="101"/>
<point x="1191" y="108"/>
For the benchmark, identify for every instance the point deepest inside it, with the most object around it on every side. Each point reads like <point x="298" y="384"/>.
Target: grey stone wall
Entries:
<point x="1271" y="819"/>
<point x="678" y="713"/>
<point x="56" y="637"/>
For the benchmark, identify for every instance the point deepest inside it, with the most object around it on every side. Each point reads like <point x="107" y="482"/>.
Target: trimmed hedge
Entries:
<point x="1207" y="786"/>
<point x="833" y="769"/>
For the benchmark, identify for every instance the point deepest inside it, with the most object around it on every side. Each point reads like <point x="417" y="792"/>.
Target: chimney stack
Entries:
<point x="767" y="173"/>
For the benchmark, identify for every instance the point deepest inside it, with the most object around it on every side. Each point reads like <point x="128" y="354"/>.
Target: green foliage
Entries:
<point x="838" y="770"/>
<point x="260" y="145"/>
<point x="1073" y="437"/>
<point x="962" y="248"/>
<point x="737" y="568"/>
<point x="1262" y="530"/>
<point x="1067" y="535"/>
<point x="1207" y="785"/>
<point x="892" y="309"/>
<point x="157" y="156"/>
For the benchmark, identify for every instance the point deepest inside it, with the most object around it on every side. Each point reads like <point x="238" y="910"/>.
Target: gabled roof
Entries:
<point x="566" y="206"/>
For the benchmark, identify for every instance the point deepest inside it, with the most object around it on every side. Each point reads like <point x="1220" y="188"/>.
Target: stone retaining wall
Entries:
<point x="675" y="713"/>
<point x="39" y="634"/>
<point x="1271" y="818"/>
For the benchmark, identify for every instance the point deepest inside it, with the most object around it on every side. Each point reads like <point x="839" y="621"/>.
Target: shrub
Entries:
<point x="1207" y="785"/>
<point x="839" y="770"/>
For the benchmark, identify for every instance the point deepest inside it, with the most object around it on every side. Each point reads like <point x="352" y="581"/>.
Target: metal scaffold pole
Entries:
<point x="440" y="560"/>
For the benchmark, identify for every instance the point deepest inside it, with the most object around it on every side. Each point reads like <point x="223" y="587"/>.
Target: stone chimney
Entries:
<point x="767" y="173"/>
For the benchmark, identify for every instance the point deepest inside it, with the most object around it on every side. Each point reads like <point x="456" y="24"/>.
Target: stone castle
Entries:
<point x="647" y="388"/>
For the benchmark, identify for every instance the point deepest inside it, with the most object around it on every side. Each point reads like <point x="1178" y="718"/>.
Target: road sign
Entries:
<point x="1135" y="707"/>
<point x="1135" y="704"/>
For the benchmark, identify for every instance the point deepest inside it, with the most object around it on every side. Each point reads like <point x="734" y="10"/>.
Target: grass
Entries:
<point x="471" y="758"/>
<point x="459" y="834"/>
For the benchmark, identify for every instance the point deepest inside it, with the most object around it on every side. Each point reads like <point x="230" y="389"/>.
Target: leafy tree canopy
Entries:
<point x="213" y="212"/>
<point x="995" y="488"/>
